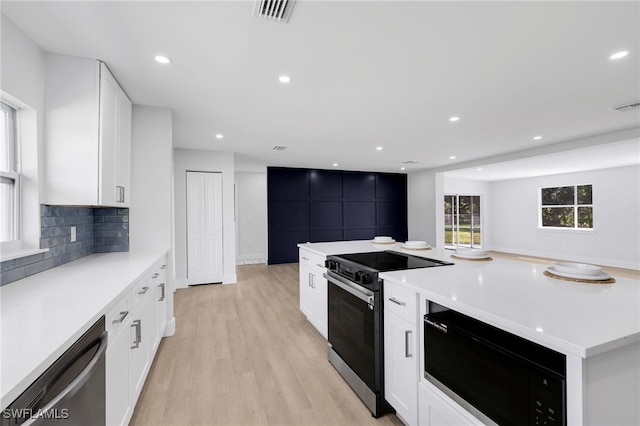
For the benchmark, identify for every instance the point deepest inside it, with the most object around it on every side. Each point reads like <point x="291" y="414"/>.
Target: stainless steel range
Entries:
<point x="356" y="318"/>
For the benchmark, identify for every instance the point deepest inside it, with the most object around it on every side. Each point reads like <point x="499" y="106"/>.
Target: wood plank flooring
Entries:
<point x="244" y="354"/>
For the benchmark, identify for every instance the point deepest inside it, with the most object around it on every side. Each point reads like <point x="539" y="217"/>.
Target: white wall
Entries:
<point x="616" y="205"/>
<point x="22" y="85"/>
<point x="251" y="216"/>
<point x="421" y="205"/>
<point x="204" y="161"/>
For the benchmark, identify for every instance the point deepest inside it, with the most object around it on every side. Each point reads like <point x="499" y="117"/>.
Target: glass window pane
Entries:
<point x="584" y="194"/>
<point x="5" y="151"/>
<point x="585" y="217"/>
<point x="6" y="209"/>
<point x="465" y="205"/>
<point x="558" y="217"/>
<point x="560" y="196"/>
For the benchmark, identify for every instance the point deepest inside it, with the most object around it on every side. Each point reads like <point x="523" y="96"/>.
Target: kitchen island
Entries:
<point x="596" y="326"/>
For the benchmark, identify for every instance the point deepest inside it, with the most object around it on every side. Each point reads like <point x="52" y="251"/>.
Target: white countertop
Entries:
<point x="572" y="318"/>
<point x="44" y="314"/>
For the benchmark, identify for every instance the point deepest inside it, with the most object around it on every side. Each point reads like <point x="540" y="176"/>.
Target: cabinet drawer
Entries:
<point x="312" y="260"/>
<point x="400" y="301"/>
<point x="140" y="292"/>
<point x="117" y="316"/>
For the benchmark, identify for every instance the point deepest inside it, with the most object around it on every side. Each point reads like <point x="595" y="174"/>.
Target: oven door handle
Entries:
<point x="352" y="288"/>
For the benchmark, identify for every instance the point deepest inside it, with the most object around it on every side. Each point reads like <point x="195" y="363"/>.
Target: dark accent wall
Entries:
<point x="98" y="230"/>
<point x="307" y="205"/>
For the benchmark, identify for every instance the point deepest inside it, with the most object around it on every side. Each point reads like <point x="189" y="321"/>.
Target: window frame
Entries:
<point x="13" y="175"/>
<point x="573" y="206"/>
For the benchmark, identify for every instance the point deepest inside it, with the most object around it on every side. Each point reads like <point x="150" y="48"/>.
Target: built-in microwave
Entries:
<point x="499" y="377"/>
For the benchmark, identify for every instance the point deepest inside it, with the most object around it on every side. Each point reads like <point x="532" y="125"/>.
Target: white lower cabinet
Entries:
<point x="313" y="290"/>
<point x="436" y="409"/>
<point x="136" y="324"/>
<point x="401" y="356"/>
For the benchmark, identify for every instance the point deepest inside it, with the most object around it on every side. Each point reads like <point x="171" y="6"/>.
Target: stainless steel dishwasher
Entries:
<point x="71" y="391"/>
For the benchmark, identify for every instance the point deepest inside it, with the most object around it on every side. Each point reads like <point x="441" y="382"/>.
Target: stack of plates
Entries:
<point x="383" y="240"/>
<point x="416" y="245"/>
<point x="579" y="271"/>
<point x="471" y="254"/>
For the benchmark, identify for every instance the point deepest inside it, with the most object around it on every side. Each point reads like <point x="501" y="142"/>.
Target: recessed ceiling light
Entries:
<point x="219" y="136"/>
<point x="619" y="55"/>
<point x="378" y="148"/>
<point x="479" y="169"/>
<point x="537" y="138"/>
<point x="284" y="79"/>
<point x="335" y="164"/>
<point x="454" y="118"/>
<point x="402" y="168"/>
<point x="453" y="157"/>
<point x="162" y="59"/>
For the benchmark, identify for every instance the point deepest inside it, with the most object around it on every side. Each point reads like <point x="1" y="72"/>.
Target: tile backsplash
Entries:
<point x="98" y="230"/>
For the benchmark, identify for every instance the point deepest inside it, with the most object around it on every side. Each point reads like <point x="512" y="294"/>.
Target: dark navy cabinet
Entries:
<point x="307" y="205"/>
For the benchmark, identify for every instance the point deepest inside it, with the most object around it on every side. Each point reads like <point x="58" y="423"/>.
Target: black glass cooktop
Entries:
<point x="384" y="261"/>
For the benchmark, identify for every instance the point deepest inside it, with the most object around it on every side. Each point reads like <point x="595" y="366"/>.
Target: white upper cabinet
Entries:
<point x="87" y="134"/>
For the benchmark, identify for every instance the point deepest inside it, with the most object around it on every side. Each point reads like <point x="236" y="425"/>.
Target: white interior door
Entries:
<point x="204" y="228"/>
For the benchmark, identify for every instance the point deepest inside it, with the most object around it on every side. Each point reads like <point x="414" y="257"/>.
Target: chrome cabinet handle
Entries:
<point x="144" y="290"/>
<point x="305" y="258"/>
<point x="396" y="301"/>
<point x="137" y="324"/>
<point x="163" y="267"/>
<point x="120" y="190"/>
<point x="156" y="275"/>
<point x="407" y="354"/>
<point x="161" y="297"/>
<point x="123" y="315"/>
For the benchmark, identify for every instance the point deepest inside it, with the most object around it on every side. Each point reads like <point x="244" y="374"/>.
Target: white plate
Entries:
<point x="416" y="244"/>
<point x="602" y="276"/>
<point x="374" y="241"/>
<point x="472" y="254"/>
<point x="406" y="247"/>
<point x="381" y="239"/>
<point x="578" y="268"/>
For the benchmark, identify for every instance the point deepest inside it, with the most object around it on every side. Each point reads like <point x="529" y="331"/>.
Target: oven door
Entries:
<point x="352" y="311"/>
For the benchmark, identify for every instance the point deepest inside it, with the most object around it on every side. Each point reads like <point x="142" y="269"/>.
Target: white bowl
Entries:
<point x="415" y="244"/>
<point x="383" y="239"/>
<point x="578" y="268"/>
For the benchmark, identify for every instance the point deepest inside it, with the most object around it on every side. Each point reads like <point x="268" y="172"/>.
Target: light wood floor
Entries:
<point x="244" y="354"/>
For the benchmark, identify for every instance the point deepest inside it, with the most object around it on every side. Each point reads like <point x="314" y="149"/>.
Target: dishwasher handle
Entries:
<point x="78" y="382"/>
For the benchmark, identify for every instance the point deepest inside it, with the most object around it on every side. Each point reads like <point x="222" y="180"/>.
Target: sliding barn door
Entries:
<point x="204" y="228"/>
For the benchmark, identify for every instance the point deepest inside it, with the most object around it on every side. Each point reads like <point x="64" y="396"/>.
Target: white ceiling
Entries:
<point x="364" y="74"/>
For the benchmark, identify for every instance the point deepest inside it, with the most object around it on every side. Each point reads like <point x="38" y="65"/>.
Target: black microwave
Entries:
<point x="497" y="376"/>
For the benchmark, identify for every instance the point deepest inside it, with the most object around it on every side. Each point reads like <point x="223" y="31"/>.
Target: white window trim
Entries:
<point x="15" y="243"/>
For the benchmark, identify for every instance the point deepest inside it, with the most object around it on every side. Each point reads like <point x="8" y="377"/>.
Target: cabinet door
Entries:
<point x="107" y="193"/>
<point x="141" y="338"/>
<point x="319" y="302"/>
<point x="306" y="291"/>
<point x="117" y="378"/>
<point x="123" y="150"/>
<point x="401" y="367"/>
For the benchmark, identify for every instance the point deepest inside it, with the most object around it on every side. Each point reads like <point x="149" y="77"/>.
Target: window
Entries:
<point x="566" y="207"/>
<point x="9" y="178"/>
<point x="462" y="221"/>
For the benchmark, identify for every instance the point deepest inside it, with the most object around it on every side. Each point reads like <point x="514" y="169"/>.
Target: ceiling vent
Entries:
<point x="279" y="148"/>
<point x="410" y="162"/>
<point x="275" y="10"/>
<point x="625" y="107"/>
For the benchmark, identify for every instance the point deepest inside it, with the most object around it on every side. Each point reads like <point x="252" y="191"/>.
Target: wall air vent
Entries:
<point x="275" y="10"/>
<point x="279" y="148"/>
<point x="410" y="162"/>
<point x="625" y="107"/>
